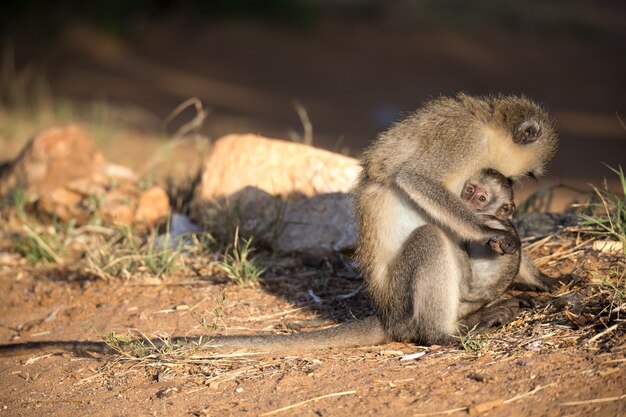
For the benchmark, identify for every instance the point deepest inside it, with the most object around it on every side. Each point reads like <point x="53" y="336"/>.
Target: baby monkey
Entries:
<point x="490" y="193"/>
<point x="490" y="269"/>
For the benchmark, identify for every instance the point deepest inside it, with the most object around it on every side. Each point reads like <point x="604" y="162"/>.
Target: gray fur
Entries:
<point x="366" y="332"/>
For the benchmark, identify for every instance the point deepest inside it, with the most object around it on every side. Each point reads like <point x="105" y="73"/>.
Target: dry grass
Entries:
<point x="238" y="264"/>
<point x="126" y="254"/>
<point x="605" y="215"/>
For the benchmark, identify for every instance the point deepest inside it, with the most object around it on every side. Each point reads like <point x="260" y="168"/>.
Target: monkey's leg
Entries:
<point x="422" y="293"/>
<point x="448" y="210"/>
<point x="530" y="278"/>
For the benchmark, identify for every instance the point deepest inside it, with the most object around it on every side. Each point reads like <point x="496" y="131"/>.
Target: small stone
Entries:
<point x="52" y="159"/>
<point x="63" y="204"/>
<point x="62" y="170"/>
<point x="154" y="205"/>
<point x="167" y="392"/>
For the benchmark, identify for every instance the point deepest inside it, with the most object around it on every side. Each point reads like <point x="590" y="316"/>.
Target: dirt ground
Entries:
<point x="567" y="357"/>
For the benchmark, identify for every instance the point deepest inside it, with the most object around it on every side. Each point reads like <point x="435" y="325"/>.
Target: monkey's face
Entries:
<point x="483" y="199"/>
<point x="476" y="197"/>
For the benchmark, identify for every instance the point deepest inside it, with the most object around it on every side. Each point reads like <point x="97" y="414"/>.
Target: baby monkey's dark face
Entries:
<point x="487" y="193"/>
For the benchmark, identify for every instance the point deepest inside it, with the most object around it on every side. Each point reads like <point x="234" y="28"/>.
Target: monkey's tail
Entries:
<point x="80" y="348"/>
<point x="365" y="332"/>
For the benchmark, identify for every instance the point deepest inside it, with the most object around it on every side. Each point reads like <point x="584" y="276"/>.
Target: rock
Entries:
<point x="317" y="225"/>
<point x="119" y="172"/>
<point x="64" y="204"/>
<point x="62" y="171"/>
<point x="117" y="206"/>
<point x="323" y="223"/>
<point x="542" y="224"/>
<point x="274" y="166"/>
<point x="54" y="158"/>
<point x="154" y="205"/>
<point x="180" y="227"/>
<point x="292" y="196"/>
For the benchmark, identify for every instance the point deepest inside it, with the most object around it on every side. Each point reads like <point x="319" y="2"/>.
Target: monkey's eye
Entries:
<point x="469" y="189"/>
<point x="482" y="198"/>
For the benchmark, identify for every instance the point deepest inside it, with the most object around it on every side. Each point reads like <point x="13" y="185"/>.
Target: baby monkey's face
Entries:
<point x="486" y="195"/>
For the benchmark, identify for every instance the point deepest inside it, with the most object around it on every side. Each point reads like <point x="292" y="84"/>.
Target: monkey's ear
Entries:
<point x="527" y="132"/>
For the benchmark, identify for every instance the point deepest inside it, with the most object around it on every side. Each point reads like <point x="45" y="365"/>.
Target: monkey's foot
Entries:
<point x="541" y="282"/>
<point x="504" y="312"/>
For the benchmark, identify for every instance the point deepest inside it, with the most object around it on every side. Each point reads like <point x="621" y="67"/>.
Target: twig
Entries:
<point x="273" y="315"/>
<point x="445" y="412"/>
<point x="289" y="407"/>
<point x="89" y="378"/>
<point x="534" y="391"/>
<point x="307" y="127"/>
<point x="602" y="333"/>
<point x="194" y="123"/>
<point x="492" y="404"/>
<point x="177" y="139"/>
<point x="563" y="253"/>
<point x="620" y="120"/>
<point x="90" y="228"/>
<point x="594" y="401"/>
<point x="30" y="361"/>
<point x="530" y="248"/>
<point x="412" y="356"/>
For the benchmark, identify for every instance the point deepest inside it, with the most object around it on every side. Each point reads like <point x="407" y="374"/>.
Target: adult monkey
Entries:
<point x="411" y="218"/>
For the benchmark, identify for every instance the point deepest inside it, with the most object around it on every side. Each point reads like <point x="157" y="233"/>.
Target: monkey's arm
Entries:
<point x="450" y="212"/>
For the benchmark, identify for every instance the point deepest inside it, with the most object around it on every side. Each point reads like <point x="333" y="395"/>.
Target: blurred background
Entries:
<point x="334" y="71"/>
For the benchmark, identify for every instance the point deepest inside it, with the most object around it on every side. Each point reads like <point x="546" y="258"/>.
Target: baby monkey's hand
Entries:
<point x="506" y="242"/>
<point x="503" y="238"/>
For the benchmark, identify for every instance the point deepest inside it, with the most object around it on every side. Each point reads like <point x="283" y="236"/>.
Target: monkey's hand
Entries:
<point x="503" y="239"/>
<point x="504" y="242"/>
<point x="496" y="247"/>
